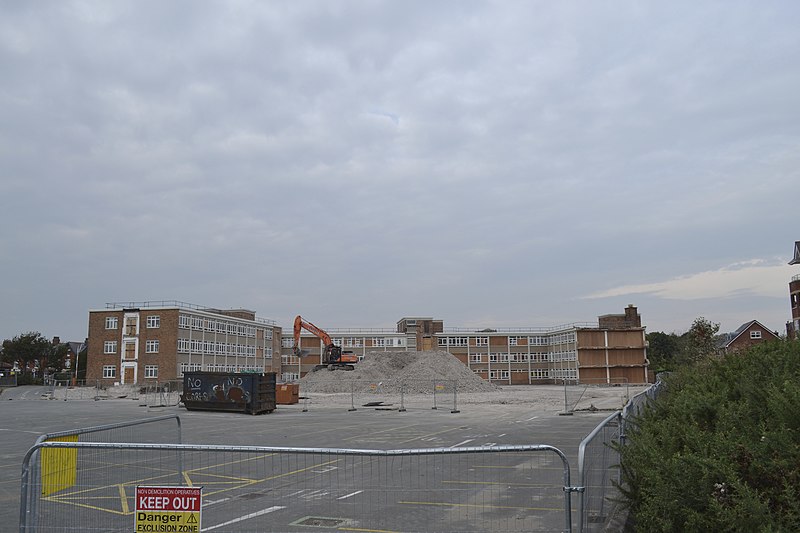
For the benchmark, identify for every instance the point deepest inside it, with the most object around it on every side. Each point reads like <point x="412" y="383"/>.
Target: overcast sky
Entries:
<point x="491" y="164"/>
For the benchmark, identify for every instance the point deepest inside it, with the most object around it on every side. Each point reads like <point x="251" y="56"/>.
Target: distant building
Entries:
<point x="132" y="342"/>
<point x="747" y="335"/>
<point x="793" y="326"/>
<point x="612" y="351"/>
<point x="136" y="342"/>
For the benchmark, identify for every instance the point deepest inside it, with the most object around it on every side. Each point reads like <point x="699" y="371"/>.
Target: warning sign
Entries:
<point x="168" y="509"/>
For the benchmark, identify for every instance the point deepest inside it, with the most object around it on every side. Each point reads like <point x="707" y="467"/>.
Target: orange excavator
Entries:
<point x="332" y="356"/>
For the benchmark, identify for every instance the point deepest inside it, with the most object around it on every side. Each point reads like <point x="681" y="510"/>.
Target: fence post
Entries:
<point x="402" y="405"/>
<point x="352" y="396"/>
<point x="567" y="410"/>
<point x="434" y="394"/>
<point x="455" y="397"/>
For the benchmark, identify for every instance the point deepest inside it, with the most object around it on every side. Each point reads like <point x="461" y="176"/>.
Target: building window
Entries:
<point x="512" y="341"/>
<point x="112" y="322"/>
<point x="481" y="341"/>
<point x="153" y="321"/>
<point x="354" y="342"/>
<point x="110" y="347"/>
<point x="130" y="350"/>
<point x="151" y="347"/>
<point x="474" y="358"/>
<point x="109" y="371"/>
<point x="131" y="326"/>
<point x="150" y="371"/>
<point x="756" y="334"/>
<point x="453" y="341"/>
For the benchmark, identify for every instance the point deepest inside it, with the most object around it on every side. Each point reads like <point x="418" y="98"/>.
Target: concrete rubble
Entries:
<point x="416" y="370"/>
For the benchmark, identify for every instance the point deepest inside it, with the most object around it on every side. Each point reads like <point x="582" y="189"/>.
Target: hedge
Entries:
<point x="720" y="450"/>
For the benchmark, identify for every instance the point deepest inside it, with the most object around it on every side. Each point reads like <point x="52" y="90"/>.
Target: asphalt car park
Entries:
<point x="328" y="426"/>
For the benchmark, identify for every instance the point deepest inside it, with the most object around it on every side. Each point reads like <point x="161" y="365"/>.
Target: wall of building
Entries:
<point x="159" y="344"/>
<point x="793" y="326"/>
<point x="754" y="334"/>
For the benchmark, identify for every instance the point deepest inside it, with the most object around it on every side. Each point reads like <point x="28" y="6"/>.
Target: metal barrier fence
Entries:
<point x="639" y="402"/>
<point x="579" y="392"/>
<point x="8" y="381"/>
<point x="258" y="489"/>
<point x="599" y="461"/>
<point x="155" y="394"/>
<point x="58" y="466"/>
<point x="598" y="471"/>
<point x="64" y="390"/>
<point x="400" y="395"/>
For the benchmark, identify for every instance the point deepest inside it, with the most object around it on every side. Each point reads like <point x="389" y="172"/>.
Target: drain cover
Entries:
<point x="319" y="521"/>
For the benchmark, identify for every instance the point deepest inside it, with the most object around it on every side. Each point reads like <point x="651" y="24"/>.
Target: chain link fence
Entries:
<point x="578" y="395"/>
<point x="261" y="489"/>
<point x="398" y="395"/>
<point x="47" y="473"/>
<point x="599" y="462"/>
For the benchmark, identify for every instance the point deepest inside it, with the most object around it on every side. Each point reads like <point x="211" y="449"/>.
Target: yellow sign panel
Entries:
<point x="167" y="521"/>
<point x="59" y="466"/>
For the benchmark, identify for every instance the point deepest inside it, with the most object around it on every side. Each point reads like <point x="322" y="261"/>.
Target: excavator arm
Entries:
<point x="332" y="356"/>
<point x="300" y="324"/>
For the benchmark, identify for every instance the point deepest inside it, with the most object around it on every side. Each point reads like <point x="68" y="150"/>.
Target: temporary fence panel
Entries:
<point x="259" y="489"/>
<point x="599" y="461"/>
<point x="396" y="395"/>
<point x="57" y="470"/>
<point x="156" y="394"/>
<point x="599" y="473"/>
<point x="578" y="395"/>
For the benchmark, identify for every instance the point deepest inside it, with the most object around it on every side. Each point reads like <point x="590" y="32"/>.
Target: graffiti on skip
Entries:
<point x="227" y="389"/>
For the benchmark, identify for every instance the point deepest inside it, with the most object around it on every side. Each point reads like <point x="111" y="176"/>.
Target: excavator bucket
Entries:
<point x="300" y="353"/>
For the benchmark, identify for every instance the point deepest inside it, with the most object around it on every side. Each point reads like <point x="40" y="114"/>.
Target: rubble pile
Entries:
<point x="417" y="372"/>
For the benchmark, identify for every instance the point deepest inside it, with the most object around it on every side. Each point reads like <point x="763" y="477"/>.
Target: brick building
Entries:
<point x="793" y="326"/>
<point x="747" y="335"/>
<point x="132" y="342"/>
<point x="612" y="351"/>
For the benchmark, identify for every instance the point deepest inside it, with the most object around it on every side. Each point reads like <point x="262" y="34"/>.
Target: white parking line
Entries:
<point x="245" y="517"/>
<point x="351" y="494"/>
<point x="212" y="502"/>
<point x="460" y="443"/>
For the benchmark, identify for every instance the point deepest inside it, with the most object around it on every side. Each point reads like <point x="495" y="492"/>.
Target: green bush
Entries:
<point x="27" y="378"/>
<point x="720" y="450"/>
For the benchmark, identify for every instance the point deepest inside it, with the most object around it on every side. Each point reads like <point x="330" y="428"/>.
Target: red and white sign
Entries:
<point x="168" y="509"/>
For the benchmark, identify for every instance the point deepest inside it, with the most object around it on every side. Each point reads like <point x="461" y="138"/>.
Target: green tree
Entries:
<point x="26" y="349"/>
<point x="701" y="340"/>
<point x="664" y="350"/>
